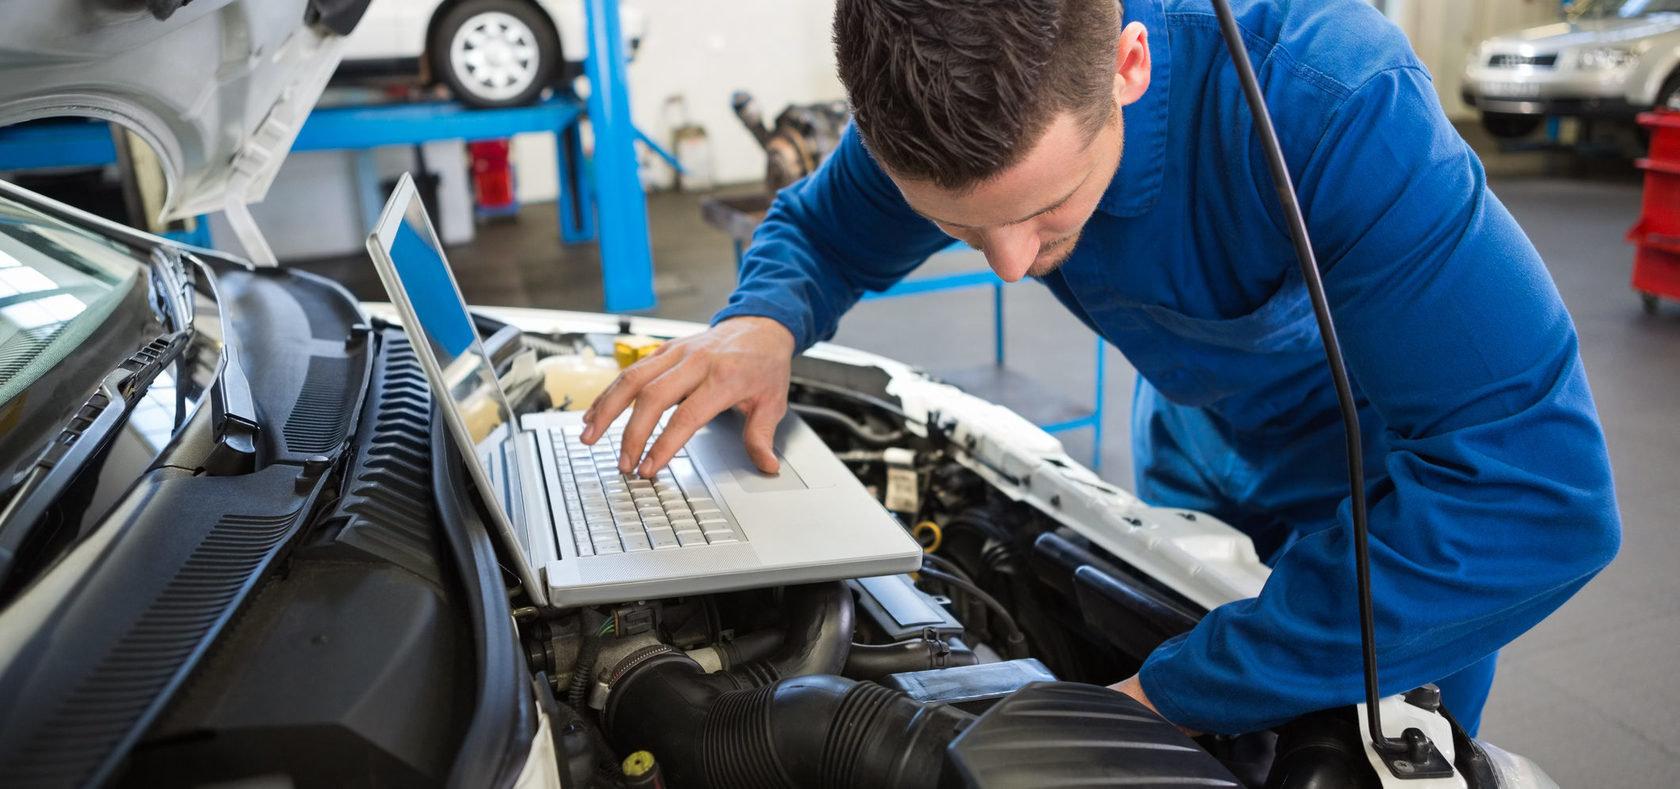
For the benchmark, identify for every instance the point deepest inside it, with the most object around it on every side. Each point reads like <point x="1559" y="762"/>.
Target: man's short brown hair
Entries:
<point x="955" y="91"/>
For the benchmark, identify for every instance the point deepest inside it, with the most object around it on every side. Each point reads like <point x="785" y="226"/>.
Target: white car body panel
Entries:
<point x="397" y="28"/>
<point x="218" y="90"/>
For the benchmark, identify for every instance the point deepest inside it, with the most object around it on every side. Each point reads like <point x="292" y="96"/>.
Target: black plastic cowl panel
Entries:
<point x="355" y="665"/>
<point x="305" y="346"/>
<point x="1067" y="734"/>
<point x="110" y="650"/>
<point x="386" y="511"/>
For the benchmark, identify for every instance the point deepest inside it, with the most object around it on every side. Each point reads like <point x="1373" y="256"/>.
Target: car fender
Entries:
<point x="1659" y="64"/>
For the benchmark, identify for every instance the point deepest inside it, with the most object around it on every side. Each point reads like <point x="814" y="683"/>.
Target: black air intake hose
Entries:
<point x="817" y="640"/>
<point x="874" y="661"/>
<point x="818" y="730"/>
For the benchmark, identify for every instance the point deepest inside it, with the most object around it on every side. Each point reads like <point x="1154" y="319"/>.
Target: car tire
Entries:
<point x="495" y="53"/>
<point x="1669" y="96"/>
<point x="1506" y="126"/>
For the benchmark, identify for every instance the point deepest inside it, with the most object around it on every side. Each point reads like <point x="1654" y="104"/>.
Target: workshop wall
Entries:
<point x="700" y="53"/>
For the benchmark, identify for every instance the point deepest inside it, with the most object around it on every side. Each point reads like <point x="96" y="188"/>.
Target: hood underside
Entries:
<point x="1591" y="32"/>
<point x="217" y="88"/>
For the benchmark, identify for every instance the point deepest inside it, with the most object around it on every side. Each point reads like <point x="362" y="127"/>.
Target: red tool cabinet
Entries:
<point x="1656" y="265"/>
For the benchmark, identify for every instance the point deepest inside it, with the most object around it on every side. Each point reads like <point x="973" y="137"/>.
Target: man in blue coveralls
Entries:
<point x="1108" y="153"/>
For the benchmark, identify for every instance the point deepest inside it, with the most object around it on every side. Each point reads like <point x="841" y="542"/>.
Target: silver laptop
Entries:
<point x="580" y="532"/>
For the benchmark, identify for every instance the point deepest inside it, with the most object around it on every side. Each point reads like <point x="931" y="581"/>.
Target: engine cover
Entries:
<point x="1064" y="733"/>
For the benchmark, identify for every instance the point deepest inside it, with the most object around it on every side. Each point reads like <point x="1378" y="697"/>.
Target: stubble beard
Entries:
<point x="1059" y="253"/>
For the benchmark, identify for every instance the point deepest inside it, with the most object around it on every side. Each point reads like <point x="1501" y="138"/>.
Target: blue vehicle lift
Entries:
<point x="600" y="196"/>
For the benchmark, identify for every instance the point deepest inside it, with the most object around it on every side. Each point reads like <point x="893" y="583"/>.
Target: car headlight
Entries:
<point x="1606" y="58"/>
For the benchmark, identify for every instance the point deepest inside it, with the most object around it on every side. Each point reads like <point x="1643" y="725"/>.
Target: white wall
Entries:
<point x="1444" y="31"/>
<point x="702" y="51"/>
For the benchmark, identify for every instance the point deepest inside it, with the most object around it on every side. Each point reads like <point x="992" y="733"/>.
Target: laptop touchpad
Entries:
<point x="752" y="480"/>
<point x="724" y="450"/>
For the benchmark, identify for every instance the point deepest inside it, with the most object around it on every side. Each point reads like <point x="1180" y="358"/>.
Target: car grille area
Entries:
<point x="1510" y="60"/>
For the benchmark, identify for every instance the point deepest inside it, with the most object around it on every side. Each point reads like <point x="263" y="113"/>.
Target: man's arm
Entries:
<point x="1498" y="504"/>
<point x="826" y="240"/>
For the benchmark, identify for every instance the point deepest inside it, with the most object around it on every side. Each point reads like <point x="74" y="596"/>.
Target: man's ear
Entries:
<point x="1131" y="64"/>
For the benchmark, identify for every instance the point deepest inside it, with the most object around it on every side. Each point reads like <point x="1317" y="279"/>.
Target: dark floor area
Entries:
<point x="1591" y="694"/>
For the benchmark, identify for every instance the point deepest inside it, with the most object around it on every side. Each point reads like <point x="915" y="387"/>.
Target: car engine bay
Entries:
<point x="985" y="668"/>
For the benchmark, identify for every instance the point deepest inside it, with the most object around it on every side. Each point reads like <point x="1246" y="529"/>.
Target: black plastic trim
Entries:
<point x="386" y="509"/>
<point x="504" y="722"/>
<point x="112" y="648"/>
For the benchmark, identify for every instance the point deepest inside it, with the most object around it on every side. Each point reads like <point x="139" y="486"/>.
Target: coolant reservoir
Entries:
<point x="581" y="377"/>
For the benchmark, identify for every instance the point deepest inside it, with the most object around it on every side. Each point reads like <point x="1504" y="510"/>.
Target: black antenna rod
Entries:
<point x="1285" y="187"/>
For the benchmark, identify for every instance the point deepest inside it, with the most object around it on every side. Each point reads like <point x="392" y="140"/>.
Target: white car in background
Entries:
<point x="491" y="53"/>
<point x="1609" y="59"/>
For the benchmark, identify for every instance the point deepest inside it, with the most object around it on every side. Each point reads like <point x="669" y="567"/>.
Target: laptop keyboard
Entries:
<point x="614" y="513"/>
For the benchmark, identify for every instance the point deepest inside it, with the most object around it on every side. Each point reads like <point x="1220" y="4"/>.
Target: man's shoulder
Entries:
<point x="1334" y="46"/>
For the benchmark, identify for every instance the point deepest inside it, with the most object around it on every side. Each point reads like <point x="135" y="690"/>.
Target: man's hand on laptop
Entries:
<point x="741" y="363"/>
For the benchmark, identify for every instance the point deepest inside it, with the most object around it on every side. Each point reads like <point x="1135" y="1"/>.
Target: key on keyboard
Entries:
<point x="613" y="513"/>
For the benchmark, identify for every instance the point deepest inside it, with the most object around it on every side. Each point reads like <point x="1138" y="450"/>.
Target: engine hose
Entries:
<point x="874" y="661"/>
<point x="853" y="426"/>
<point x="819" y="730"/>
<point x="1015" y="642"/>
<point x="577" y="692"/>
<point x="750" y="648"/>
<point x="819" y="635"/>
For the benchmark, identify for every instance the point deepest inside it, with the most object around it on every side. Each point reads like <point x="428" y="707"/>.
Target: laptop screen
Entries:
<point x="444" y="324"/>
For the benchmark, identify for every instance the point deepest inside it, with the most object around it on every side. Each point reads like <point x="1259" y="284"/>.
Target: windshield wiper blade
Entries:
<point x="88" y="433"/>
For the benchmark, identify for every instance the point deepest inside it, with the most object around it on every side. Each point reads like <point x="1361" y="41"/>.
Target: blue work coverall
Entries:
<point x="1488" y="478"/>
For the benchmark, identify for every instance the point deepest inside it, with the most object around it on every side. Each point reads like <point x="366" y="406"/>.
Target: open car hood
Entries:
<point x="217" y="88"/>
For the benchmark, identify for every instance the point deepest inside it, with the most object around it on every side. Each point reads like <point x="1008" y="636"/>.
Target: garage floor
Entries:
<point x="1591" y="694"/>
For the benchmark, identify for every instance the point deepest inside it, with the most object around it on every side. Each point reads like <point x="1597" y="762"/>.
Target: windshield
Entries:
<point x="57" y="284"/>
<point x="1623" y="8"/>
<point x="73" y="306"/>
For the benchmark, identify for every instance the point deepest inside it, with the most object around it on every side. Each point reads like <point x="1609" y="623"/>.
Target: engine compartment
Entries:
<point x="416" y="664"/>
<point x="886" y="680"/>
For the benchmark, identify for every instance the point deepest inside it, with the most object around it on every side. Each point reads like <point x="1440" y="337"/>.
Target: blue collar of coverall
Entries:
<point x="1137" y="185"/>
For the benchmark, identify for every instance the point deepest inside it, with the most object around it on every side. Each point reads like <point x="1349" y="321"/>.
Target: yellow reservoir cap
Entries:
<point x="632" y="348"/>
<point x="638" y="764"/>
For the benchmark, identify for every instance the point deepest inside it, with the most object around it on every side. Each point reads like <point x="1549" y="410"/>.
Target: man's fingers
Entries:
<point x="619" y="394"/>
<point x="687" y="420"/>
<point x="760" y="434"/>
<point x="663" y="392"/>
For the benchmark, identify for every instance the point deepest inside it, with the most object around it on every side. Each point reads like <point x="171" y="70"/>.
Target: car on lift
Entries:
<point x="1609" y="59"/>
<point x="237" y="545"/>
<point x="491" y="53"/>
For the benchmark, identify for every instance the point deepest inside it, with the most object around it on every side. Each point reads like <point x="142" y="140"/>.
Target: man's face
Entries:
<point x="1027" y="219"/>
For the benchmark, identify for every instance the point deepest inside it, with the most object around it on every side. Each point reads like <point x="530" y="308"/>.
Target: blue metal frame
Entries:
<point x="365" y="128"/>
<point x="74" y="143"/>
<point x="628" y="281"/>
<point x="379" y="125"/>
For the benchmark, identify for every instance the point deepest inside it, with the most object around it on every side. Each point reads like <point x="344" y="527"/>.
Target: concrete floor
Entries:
<point x="1590" y="693"/>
